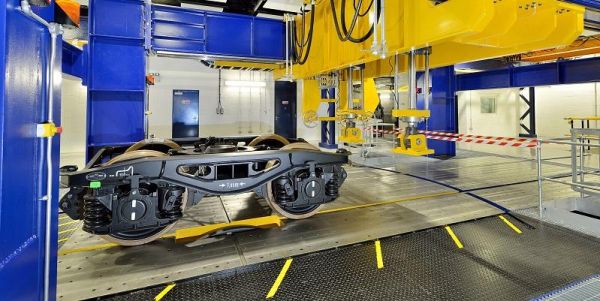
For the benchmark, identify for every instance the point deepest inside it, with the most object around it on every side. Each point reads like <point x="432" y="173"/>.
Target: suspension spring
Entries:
<point x="96" y="217"/>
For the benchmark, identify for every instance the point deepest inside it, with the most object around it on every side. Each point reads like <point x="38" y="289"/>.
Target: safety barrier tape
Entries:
<point x="455" y="135"/>
<point x="484" y="142"/>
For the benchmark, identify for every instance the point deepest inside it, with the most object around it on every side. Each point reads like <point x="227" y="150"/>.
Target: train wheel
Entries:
<point x="291" y="213"/>
<point x="140" y="237"/>
<point x="161" y="145"/>
<point x="273" y="140"/>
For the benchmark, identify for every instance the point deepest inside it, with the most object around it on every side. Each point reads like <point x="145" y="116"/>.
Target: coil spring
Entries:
<point x="174" y="196"/>
<point x="96" y="217"/>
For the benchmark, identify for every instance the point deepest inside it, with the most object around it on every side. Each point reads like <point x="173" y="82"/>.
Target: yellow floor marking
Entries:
<point x="69" y="223"/>
<point x="69" y="230"/>
<point x="379" y="254"/>
<point x="279" y="279"/>
<point x="86" y="249"/>
<point x="61" y="240"/>
<point x="164" y="292"/>
<point x="63" y="217"/>
<point x="511" y="225"/>
<point x="456" y="240"/>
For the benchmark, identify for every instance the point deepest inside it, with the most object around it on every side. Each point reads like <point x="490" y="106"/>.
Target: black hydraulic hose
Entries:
<point x="301" y="44"/>
<point x="303" y="57"/>
<point x="356" y="7"/>
<point x="346" y="35"/>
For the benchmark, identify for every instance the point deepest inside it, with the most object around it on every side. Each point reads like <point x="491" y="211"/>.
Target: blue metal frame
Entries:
<point x="595" y="4"/>
<point x="558" y="73"/>
<point x="73" y="61"/>
<point x="116" y="62"/>
<point x="443" y="109"/>
<point x="116" y="73"/>
<point x="195" y="31"/>
<point x="328" y="127"/>
<point x="24" y="50"/>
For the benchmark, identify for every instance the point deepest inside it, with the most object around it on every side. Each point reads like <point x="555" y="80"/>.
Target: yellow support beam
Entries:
<point x="458" y="31"/>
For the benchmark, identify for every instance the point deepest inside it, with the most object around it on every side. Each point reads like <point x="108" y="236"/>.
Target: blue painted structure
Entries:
<point x="116" y="74"/>
<point x="216" y="34"/>
<point x="595" y="4"/>
<point x="443" y="109"/>
<point x="558" y="73"/>
<point x="24" y="51"/>
<point x="73" y="62"/>
<point x="328" y="127"/>
<point x="117" y="56"/>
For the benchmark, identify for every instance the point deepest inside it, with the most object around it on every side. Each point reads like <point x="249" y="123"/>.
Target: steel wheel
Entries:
<point x="272" y="140"/>
<point x="161" y="145"/>
<point x="291" y="213"/>
<point x="140" y="237"/>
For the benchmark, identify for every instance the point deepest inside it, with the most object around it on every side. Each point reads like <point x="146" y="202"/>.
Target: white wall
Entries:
<point x="310" y="134"/>
<point x="553" y="104"/>
<point x="247" y="111"/>
<point x="73" y="121"/>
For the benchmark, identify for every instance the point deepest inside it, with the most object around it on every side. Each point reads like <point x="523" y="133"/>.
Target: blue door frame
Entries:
<point x="24" y="50"/>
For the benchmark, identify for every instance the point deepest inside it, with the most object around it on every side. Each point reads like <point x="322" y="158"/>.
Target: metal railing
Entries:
<point x="581" y="146"/>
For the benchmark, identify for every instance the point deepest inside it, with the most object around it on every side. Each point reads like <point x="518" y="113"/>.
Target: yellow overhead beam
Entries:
<point x="458" y="31"/>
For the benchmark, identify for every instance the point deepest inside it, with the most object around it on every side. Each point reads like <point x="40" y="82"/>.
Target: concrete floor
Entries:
<point x="451" y="190"/>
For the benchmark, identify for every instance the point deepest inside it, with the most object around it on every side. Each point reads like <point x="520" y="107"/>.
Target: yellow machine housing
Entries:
<point x="412" y="144"/>
<point x="351" y="135"/>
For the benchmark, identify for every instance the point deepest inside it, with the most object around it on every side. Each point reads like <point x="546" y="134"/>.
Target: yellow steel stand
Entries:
<point x="415" y="144"/>
<point x="191" y="234"/>
<point x="351" y="135"/>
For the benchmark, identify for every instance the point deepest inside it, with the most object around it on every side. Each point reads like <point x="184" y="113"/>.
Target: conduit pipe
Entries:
<point x="55" y="30"/>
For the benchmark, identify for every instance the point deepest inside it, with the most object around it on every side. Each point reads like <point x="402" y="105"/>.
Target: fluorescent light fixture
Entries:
<point x="245" y="84"/>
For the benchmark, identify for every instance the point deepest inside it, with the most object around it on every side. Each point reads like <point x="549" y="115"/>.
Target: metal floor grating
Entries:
<point x="496" y="263"/>
<point x="588" y="289"/>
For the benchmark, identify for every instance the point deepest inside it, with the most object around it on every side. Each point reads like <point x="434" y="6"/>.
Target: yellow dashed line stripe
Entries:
<point x="511" y="225"/>
<point x="279" y="279"/>
<point x="164" y="292"/>
<point x="378" y="254"/>
<point x="454" y="237"/>
<point x="69" y="223"/>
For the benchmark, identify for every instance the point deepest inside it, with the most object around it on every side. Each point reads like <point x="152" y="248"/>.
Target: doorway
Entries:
<point x="285" y="109"/>
<point x="186" y="111"/>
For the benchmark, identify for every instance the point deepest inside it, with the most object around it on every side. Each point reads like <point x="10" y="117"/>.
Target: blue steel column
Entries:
<point x="328" y="127"/>
<point x="116" y="77"/>
<point x="24" y="56"/>
<point x="443" y="109"/>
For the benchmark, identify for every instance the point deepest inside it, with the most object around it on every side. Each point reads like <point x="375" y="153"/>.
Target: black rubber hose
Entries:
<point x="356" y="7"/>
<point x="343" y="33"/>
<point x="301" y="60"/>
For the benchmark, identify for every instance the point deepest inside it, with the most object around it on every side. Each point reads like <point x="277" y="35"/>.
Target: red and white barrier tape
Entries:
<point x="483" y="141"/>
<point x="465" y="136"/>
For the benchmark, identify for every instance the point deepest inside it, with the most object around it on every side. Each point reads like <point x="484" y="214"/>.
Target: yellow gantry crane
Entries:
<point x="340" y="37"/>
